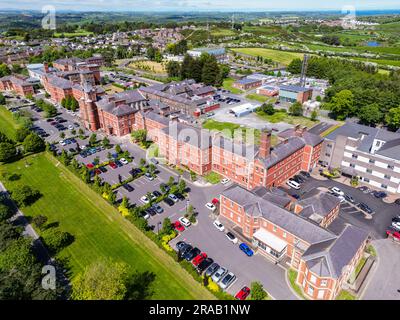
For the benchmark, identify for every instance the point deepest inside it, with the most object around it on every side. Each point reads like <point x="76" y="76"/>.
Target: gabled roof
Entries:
<point x="319" y="205"/>
<point x="283" y="150"/>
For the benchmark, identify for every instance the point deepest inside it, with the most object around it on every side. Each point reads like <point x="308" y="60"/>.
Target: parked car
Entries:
<point x="165" y="187"/>
<point x="123" y="161"/>
<point x="231" y="237"/>
<point x="364" y="189"/>
<point x="90" y="166"/>
<point x="395" y="233"/>
<point x="191" y="254"/>
<point x="212" y="269"/>
<point x="293" y="184"/>
<point x="225" y="180"/>
<point x="179" y="245"/>
<point x="219" y="274"/>
<point x="169" y="202"/>
<point x="210" y="206"/>
<point x="227" y="280"/>
<point x="243" y="293"/>
<point x="298" y="179"/>
<point x="62" y="143"/>
<point x="173" y="197"/>
<point x="178" y="226"/>
<point x="365" y="208"/>
<point x="128" y="187"/>
<point x="157" y="194"/>
<point x="185" y="249"/>
<point x="158" y="208"/>
<point x="180" y="196"/>
<point x="113" y="165"/>
<point x="380" y="194"/>
<point x="349" y="198"/>
<point x="337" y="191"/>
<point x="149" y="176"/>
<point x="246" y="249"/>
<point x="145" y="200"/>
<point x="397" y="201"/>
<point x="103" y="169"/>
<point x="118" y="163"/>
<point x="305" y="174"/>
<point x="185" y="222"/>
<point x="154" y="161"/>
<point x="219" y="225"/>
<point x="199" y="258"/>
<point x="204" y="264"/>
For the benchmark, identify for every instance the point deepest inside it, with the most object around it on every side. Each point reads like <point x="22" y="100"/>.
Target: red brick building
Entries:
<point x="16" y="84"/>
<point x="322" y="259"/>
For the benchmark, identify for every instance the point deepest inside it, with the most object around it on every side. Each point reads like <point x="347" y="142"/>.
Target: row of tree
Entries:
<point x="70" y="103"/>
<point x="204" y="69"/>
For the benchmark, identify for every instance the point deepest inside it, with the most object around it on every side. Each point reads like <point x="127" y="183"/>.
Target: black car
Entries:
<point x="165" y="187"/>
<point x="204" y="265"/>
<point x="185" y="249"/>
<point x="180" y="244"/>
<point x="365" y="208"/>
<point x="103" y="169"/>
<point x="128" y="187"/>
<point x="397" y="201"/>
<point x="118" y="163"/>
<point x="298" y="179"/>
<point x="157" y="194"/>
<point x="50" y="120"/>
<point x="305" y="174"/>
<point x="151" y="211"/>
<point x="135" y="171"/>
<point x="212" y="269"/>
<point x="179" y="196"/>
<point x="72" y="150"/>
<point x="191" y="254"/>
<point x="169" y="202"/>
<point x="62" y="121"/>
<point x="380" y="194"/>
<point x="349" y="198"/>
<point x="396" y="219"/>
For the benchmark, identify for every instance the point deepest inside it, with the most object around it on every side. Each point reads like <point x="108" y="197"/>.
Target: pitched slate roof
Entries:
<point x="196" y="137"/>
<point x="282" y="151"/>
<point x="292" y="223"/>
<point x="319" y="205"/>
<point x="329" y="258"/>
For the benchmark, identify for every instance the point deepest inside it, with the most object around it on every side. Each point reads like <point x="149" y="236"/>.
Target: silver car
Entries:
<point x="212" y="269"/>
<point x="227" y="280"/>
<point x="217" y="276"/>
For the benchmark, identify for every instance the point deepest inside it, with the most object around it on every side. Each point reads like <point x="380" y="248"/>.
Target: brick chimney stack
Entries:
<point x="46" y="67"/>
<point x="265" y="145"/>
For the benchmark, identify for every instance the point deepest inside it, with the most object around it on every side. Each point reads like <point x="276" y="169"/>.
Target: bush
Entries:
<point x="25" y="195"/>
<point x="33" y="143"/>
<point x="56" y="240"/>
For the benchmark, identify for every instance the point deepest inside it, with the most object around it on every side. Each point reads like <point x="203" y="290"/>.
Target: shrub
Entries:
<point x="55" y="239"/>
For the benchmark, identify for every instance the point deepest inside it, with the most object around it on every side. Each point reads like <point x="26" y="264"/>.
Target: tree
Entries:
<point x="314" y="115"/>
<point x="125" y="202"/>
<point x="93" y="139"/>
<point x="171" y="181"/>
<point x="142" y="162"/>
<point x="21" y="134"/>
<point x="55" y="239"/>
<point x="181" y="186"/>
<point x="173" y="69"/>
<point x="118" y="149"/>
<point x="103" y="280"/>
<point x="342" y="104"/>
<point x="370" y="115"/>
<point x="296" y="109"/>
<point x="210" y="69"/>
<point x="166" y="226"/>
<point x="392" y="118"/>
<point x="105" y="143"/>
<point x="186" y="67"/>
<point x="7" y="151"/>
<point x="257" y="291"/>
<point x="5" y="212"/>
<point x="34" y="143"/>
<point x="39" y="221"/>
<point x="139" y="135"/>
<point x="2" y="99"/>
<point x="267" y="108"/>
<point x="62" y="135"/>
<point x="24" y="195"/>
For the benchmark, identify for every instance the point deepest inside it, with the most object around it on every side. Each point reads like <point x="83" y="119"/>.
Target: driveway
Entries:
<point x="385" y="281"/>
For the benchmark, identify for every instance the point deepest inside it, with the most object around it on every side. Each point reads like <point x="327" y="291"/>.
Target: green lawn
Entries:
<point x="259" y="97"/>
<point x="77" y="33"/>
<point x="213" y="178"/>
<point x="283" y="57"/>
<point x="99" y="230"/>
<point x="284" y="117"/>
<point x="227" y="85"/>
<point x="345" y="295"/>
<point x="7" y="124"/>
<point x="292" y="275"/>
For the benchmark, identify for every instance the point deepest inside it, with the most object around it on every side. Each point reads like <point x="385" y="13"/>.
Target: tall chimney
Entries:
<point x="46" y="67"/>
<point x="265" y="145"/>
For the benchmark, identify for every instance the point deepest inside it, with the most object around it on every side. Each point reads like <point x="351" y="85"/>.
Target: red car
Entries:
<point x="113" y="165"/>
<point x="393" y="232"/>
<point x="199" y="259"/>
<point x="90" y="166"/>
<point x="178" y="226"/>
<point x="215" y="201"/>
<point x="97" y="171"/>
<point x="243" y="293"/>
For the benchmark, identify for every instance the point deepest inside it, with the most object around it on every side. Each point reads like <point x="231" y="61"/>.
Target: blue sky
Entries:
<point x="185" y="5"/>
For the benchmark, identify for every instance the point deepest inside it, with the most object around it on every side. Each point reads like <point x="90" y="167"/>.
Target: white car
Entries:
<point x="210" y="206"/>
<point x="231" y="237"/>
<point x="396" y="225"/>
<point x="337" y="191"/>
<point x="62" y="142"/>
<point x="227" y="280"/>
<point x="83" y="147"/>
<point x="145" y="200"/>
<point x="70" y="127"/>
<point x="219" y="274"/>
<point x="293" y="184"/>
<point x="218" y="225"/>
<point x="173" y="197"/>
<point x="225" y="180"/>
<point x="185" y="222"/>
<point x="341" y="198"/>
<point x="123" y="161"/>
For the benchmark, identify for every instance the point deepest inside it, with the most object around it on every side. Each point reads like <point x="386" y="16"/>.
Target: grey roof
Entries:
<point x="156" y="117"/>
<point x="196" y="137"/>
<point x="247" y="81"/>
<point x="293" y="88"/>
<point x="248" y="151"/>
<point x="60" y="82"/>
<point x="329" y="258"/>
<point x="319" y="205"/>
<point x="309" y="138"/>
<point x="292" y="223"/>
<point x="274" y="195"/>
<point x="283" y="150"/>
<point x="109" y="103"/>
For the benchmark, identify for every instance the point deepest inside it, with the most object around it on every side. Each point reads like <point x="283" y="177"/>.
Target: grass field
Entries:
<point x="7" y="124"/>
<point x="284" y="117"/>
<point x="292" y="275"/>
<point x="345" y="295"/>
<point x="150" y="66"/>
<point x="259" y="97"/>
<point x="77" y="33"/>
<point x="99" y="230"/>
<point x="222" y="32"/>
<point x="282" y="57"/>
<point x="228" y="86"/>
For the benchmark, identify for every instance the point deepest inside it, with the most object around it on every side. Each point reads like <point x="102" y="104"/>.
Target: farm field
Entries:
<point x="99" y="230"/>
<point x="282" y="57"/>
